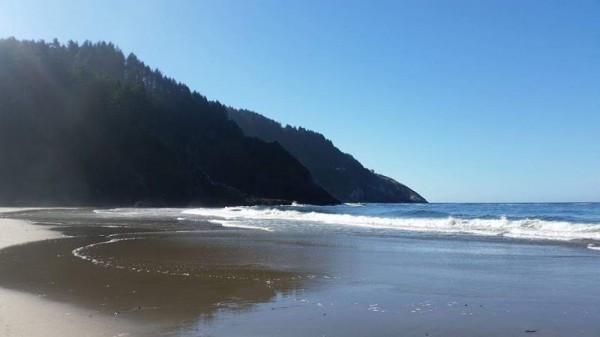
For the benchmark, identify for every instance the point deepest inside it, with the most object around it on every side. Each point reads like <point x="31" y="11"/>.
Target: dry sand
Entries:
<point x="25" y="315"/>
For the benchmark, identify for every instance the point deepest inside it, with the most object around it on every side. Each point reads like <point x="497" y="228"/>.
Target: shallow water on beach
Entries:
<point x="182" y="272"/>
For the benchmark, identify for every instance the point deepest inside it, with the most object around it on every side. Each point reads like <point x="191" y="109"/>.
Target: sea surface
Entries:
<point x="564" y="222"/>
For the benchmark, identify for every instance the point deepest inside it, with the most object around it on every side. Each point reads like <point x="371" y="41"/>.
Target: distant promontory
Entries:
<point x="338" y="173"/>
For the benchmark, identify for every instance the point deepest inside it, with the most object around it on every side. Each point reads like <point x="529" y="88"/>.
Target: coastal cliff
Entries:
<point x="337" y="172"/>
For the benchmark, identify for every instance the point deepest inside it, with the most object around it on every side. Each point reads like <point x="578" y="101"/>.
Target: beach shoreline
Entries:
<point x="55" y="265"/>
<point x="168" y="272"/>
<point x="26" y="315"/>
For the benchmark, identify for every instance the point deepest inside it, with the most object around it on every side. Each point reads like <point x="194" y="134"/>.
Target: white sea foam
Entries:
<point x="526" y="228"/>
<point x="78" y="252"/>
<point x="137" y="212"/>
<point x="235" y="224"/>
<point x="123" y="263"/>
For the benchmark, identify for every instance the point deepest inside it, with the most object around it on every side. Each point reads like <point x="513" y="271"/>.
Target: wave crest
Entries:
<point x="523" y="228"/>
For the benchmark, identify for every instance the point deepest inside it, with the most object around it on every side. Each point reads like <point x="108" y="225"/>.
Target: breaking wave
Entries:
<point x="538" y="229"/>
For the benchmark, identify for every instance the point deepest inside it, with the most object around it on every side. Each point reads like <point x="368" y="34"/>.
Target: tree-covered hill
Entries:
<point x="338" y="173"/>
<point x="85" y="125"/>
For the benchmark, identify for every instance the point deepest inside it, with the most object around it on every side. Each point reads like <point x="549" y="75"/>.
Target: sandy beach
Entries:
<point x="163" y="272"/>
<point x="167" y="280"/>
<point x="27" y="315"/>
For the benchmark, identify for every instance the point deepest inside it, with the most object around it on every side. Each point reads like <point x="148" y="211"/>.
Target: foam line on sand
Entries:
<point x="27" y="315"/>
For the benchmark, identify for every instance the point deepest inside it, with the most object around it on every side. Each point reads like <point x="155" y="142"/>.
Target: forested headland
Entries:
<point x="83" y="124"/>
<point x="337" y="172"/>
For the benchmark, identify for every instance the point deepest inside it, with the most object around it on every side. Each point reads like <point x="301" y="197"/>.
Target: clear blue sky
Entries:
<point x="461" y="100"/>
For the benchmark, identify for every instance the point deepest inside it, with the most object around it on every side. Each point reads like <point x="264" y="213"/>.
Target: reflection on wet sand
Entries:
<point x="164" y="278"/>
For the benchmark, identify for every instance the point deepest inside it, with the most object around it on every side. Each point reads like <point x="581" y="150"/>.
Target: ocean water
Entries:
<point x="560" y="222"/>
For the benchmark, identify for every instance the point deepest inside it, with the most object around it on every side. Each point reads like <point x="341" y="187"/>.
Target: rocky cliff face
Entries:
<point x="338" y="173"/>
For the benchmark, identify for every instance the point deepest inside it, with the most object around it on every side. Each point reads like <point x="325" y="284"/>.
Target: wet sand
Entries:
<point x="145" y="273"/>
<point x="196" y="278"/>
<point x="28" y="315"/>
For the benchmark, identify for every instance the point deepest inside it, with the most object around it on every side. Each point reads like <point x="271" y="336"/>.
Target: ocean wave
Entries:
<point x="593" y="246"/>
<point x="514" y="228"/>
<point x="235" y="224"/>
<point x="419" y="213"/>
